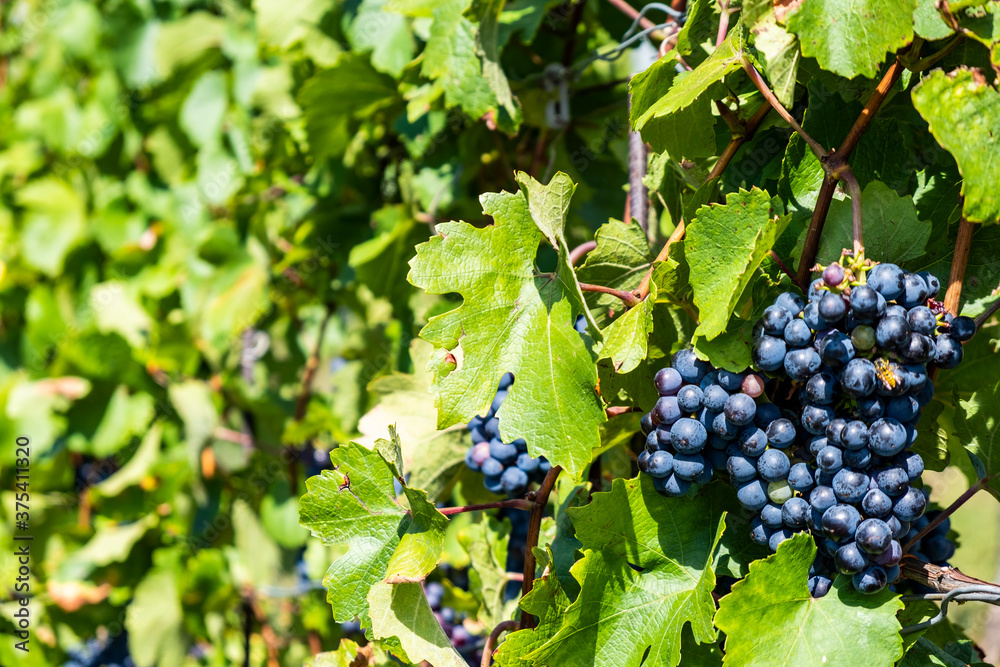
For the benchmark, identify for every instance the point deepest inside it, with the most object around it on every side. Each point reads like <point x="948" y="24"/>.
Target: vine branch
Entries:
<point x="855" y="191"/>
<point x="961" y="500"/>
<point x="491" y="641"/>
<point x="758" y="81"/>
<point x="839" y="159"/>
<point x="577" y="253"/>
<point x="959" y="262"/>
<point x="940" y="579"/>
<point x="513" y="503"/>
<point x="628" y="298"/>
<point x="534" y="526"/>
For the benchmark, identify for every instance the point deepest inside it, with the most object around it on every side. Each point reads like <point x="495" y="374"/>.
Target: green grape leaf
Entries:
<point x="725" y="244"/>
<point x="689" y="132"/>
<point x="489" y="14"/>
<point x="963" y="113"/>
<point x="684" y="90"/>
<point x="850" y="37"/>
<point x="512" y="320"/>
<point x="932" y="437"/>
<point x="777" y="50"/>
<point x="977" y="424"/>
<point x="925" y="653"/>
<point x="401" y="611"/>
<point x="626" y="338"/>
<point x="619" y="612"/>
<point x="928" y="22"/>
<point x="770" y="619"/>
<point x="155" y="621"/>
<point x="548" y="603"/>
<point x="486" y="543"/>
<point x="387" y="35"/>
<point x="620" y="260"/>
<point x="354" y="504"/>
<point x="349" y="654"/>
<point x="700" y="25"/>
<point x="892" y="230"/>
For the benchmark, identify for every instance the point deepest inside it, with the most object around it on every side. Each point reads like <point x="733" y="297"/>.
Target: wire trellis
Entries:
<point x="975" y="593"/>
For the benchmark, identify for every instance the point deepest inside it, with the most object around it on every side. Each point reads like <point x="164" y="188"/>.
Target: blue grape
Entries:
<point x="873" y="536"/>
<point x="752" y="495"/>
<point x="689" y="398"/>
<point x="918" y="349"/>
<point x="937" y="548"/>
<point x="506" y="381"/>
<point x="830" y="459"/>
<point x="801" y="364"/>
<point x="714" y="398"/>
<point x="797" y="333"/>
<point x="791" y="302"/>
<point x="876" y="504"/>
<point x="493" y="483"/>
<point x="773" y="465"/>
<point x="795" y="513"/>
<point x="854" y="435"/>
<point x="646" y="424"/>
<point x="780" y="433"/>
<point x="666" y="410"/>
<point x="914" y="290"/>
<point x="521" y="445"/>
<point x="913" y="464"/>
<point x="724" y="427"/>
<point x="759" y="533"/>
<point x="893" y="481"/>
<point x="768" y="353"/>
<point x="921" y="320"/>
<point x="752" y="441"/>
<point x="811" y="316"/>
<point x="871" y="408"/>
<point x="886" y="279"/>
<point x="871" y="580"/>
<point x="891" y="556"/>
<point x="775" y="319"/>
<point x="864" y="303"/>
<point x="821" y="388"/>
<point x="514" y="480"/>
<point x="910" y="505"/>
<point x="766" y="413"/>
<point x="815" y="418"/>
<point x="858" y="458"/>
<point x="729" y="381"/>
<point x="668" y="381"/>
<point x="841" y="521"/>
<point x="902" y="408"/>
<point x="491" y="429"/>
<point x="710" y="378"/>
<point x="887" y="437"/>
<point x="691" y="368"/>
<point x="672" y="486"/>
<point x="498" y="400"/>
<point x="741" y="467"/>
<point x="896" y="311"/>
<point x="836" y="349"/>
<point x="933" y="284"/>
<point x="858" y="378"/>
<point x="688" y="436"/>
<point x="777" y="537"/>
<point x="491" y="467"/>
<point x="740" y="409"/>
<point x="800" y="477"/>
<point x="832" y="307"/>
<point x="850" y="559"/>
<point x="850" y="486"/>
<point x="948" y="353"/>
<point x="819" y="586"/>
<point x="962" y="328"/>
<point x="502" y="452"/>
<point x="816" y="291"/>
<point x="689" y="466"/>
<point x="822" y="498"/>
<point x="770" y="515"/>
<point x="891" y="332"/>
<point x="660" y="464"/>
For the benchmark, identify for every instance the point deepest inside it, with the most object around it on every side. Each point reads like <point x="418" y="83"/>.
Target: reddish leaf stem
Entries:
<point x="491" y="641"/>
<point x="627" y="298"/>
<point x="534" y="526"/>
<point x="577" y="253"/>
<point x="781" y="265"/>
<point x="513" y="503"/>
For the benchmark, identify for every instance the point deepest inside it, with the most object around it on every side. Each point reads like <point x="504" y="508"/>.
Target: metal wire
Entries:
<point x="976" y="593"/>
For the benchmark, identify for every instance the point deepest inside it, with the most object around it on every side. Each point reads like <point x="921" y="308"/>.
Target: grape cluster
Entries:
<point x="507" y="468"/>
<point x="856" y="357"/>
<point x="849" y="373"/>
<point x="468" y="645"/>
<point x="704" y="420"/>
<point x="107" y="652"/>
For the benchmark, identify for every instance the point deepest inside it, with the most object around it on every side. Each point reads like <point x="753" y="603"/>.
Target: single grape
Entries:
<point x="892" y="481"/>
<point x="752" y="441"/>
<point x="515" y="481"/>
<point x="832" y="307"/>
<point x="770" y="515"/>
<point x="800" y="478"/>
<point x="910" y="505"/>
<point x="891" y="332"/>
<point x="864" y="303"/>
<point x="898" y="528"/>
<point x="962" y="328"/>
<point x="491" y="467"/>
<point x="858" y="377"/>
<point x="766" y="413"/>
<point x="689" y="466"/>
<point x="741" y="467"/>
<point x="667" y="410"/>
<point x="933" y="284"/>
<point x="646" y="424"/>
<point x="871" y="580"/>
<point x="740" y="409"/>
<point x="871" y="408"/>
<point x="821" y="388"/>
<point x="858" y="458"/>
<point x="836" y="349"/>
<point x="891" y="556"/>
<point x="876" y="504"/>
<point x="914" y="290"/>
<point x="714" y="398"/>
<point x="688" y="436"/>
<point x="830" y="459"/>
<point x="811" y="316"/>
<point x="798" y="333"/>
<point x="502" y="452"/>
<point x="817" y="444"/>
<point x="780" y="433"/>
<point x="850" y="559"/>
<point x="822" y="498"/>
<point x="921" y="320"/>
<point x="668" y="381"/>
<point x="706" y="417"/>
<point x="801" y="364"/>
<point x="691" y="368"/>
<point x="841" y="521"/>
<point x="773" y="465"/>
<point x="833" y="275"/>
<point x="480" y="452"/>
<point x="850" y="486"/>
<point x="791" y="302"/>
<point x="815" y="418"/>
<point x="937" y="548"/>
<point x="768" y="353"/>
<point x="863" y="337"/>
<point x="492" y="428"/>
<point x="948" y="352"/>
<point x="819" y="586"/>
<point x="689" y="398"/>
<point x="530" y="465"/>
<point x="777" y="537"/>
<point x="660" y="464"/>
<point x="506" y="381"/>
<point x="498" y="400"/>
<point x="795" y="513"/>
<point x="521" y="445"/>
<point x="912" y="463"/>
<point x="887" y="437"/>
<point x="816" y="291"/>
<point x="759" y="533"/>
<point x="918" y="349"/>
<point x="752" y="495"/>
<point x="774" y="319"/>
<point x="724" y="427"/>
<point x="752" y="385"/>
<point x="873" y="536"/>
<point x="886" y="279"/>
<point x="779" y="492"/>
<point x="493" y="483"/>
<point x="671" y="486"/>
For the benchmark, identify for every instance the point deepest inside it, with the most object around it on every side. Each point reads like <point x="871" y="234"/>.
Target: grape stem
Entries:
<point x="577" y="253"/>
<point x="628" y="298"/>
<point x="738" y="139"/>
<point x="961" y="500"/>
<point x="616" y="410"/>
<point x="781" y="265"/>
<point x="940" y="579"/>
<point x="491" y="641"/>
<point x="758" y="81"/>
<point x="836" y="160"/>
<point x="534" y="527"/>
<point x="959" y="262"/>
<point x="854" y="189"/>
<point x="513" y="503"/>
<point x="987" y="314"/>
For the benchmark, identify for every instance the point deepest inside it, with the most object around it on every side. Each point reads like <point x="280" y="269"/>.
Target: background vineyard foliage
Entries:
<point x="182" y="182"/>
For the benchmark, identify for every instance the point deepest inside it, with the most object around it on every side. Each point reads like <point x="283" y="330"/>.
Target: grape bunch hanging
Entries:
<point x="506" y="467"/>
<point x="847" y="372"/>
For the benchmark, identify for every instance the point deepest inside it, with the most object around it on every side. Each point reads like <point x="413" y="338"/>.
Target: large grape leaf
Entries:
<point x="892" y="230"/>
<point x="401" y="611"/>
<point x="486" y="543"/>
<point x="621" y="612"/>
<point x="770" y="619"/>
<point x="620" y="260"/>
<point x="686" y="133"/>
<point x="548" y="603"/>
<point x="852" y="37"/>
<point x="684" y="90"/>
<point x="725" y="243"/>
<point x="963" y="113"/>
<point x="513" y="319"/>
<point x="977" y="421"/>
<point x="354" y="504"/>
<point x="626" y="339"/>
<point x="349" y="654"/>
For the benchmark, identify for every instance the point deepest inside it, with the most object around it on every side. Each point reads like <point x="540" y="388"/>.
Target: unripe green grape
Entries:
<point x="863" y="337"/>
<point x="779" y="492"/>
